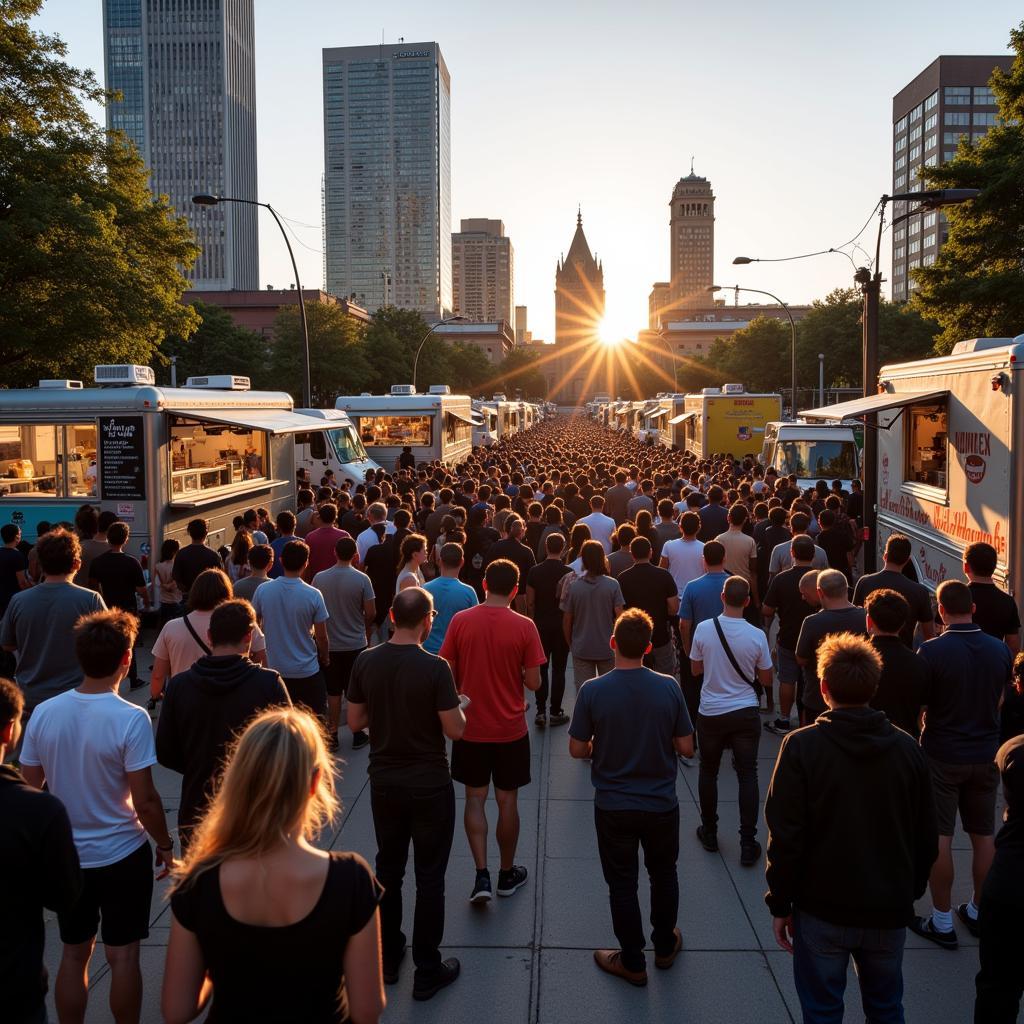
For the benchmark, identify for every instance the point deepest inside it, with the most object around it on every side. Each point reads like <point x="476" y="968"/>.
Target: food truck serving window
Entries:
<point x="392" y="431"/>
<point x="457" y="429"/>
<point x="927" y="448"/>
<point x="206" y="455"/>
<point x="52" y="460"/>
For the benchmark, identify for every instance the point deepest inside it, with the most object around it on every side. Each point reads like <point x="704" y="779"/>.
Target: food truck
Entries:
<point x="156" y="457"/>
<point x="813" y="450"/>
<point x="950" y="437"/>
<point x="436" y="426"/>
<point x="335" y="445"/>
<point x="725" y="419"/>
<point x="485" y="424"/>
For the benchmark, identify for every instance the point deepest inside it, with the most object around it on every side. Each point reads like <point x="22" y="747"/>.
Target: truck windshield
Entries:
<point x="347" y="445"/>
<point x="823" y="460"/>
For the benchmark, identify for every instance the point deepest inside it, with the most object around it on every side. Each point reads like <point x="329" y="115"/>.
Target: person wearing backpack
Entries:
<point x="733" y="657"/>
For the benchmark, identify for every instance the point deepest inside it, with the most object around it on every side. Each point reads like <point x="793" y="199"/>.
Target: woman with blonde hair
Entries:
<point x="263" y="923"/>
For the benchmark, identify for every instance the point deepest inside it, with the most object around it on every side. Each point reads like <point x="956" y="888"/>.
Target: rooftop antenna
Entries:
<point x="691" y="166"/>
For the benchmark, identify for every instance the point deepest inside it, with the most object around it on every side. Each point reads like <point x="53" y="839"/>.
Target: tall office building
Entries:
<point x="482" y="271"/>
<point x="950" y="99"/>
<point x="387" y="182"/>
<point x="187" y="73"/>
<point x="692" y="234"/>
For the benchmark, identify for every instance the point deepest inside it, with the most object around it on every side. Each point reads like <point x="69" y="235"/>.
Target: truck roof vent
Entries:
<point x="61" y="385"/>
<point x="500" y="397"/>
<point x="732" y="389"/>
<point x="403" y="389"/>
<point x="219" y="382"/>
<point x="124" y="374"/>
<point x="439" y="389"/>
<point x="710" y="391"/>
<point x="980" y="345"/>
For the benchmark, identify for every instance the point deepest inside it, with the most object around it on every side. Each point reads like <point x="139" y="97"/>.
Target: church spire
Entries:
<point x="579" y="215"/>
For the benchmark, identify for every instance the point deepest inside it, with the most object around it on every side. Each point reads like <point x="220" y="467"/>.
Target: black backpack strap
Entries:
<point x="206" y="650"/>
<point x="752" y="683"/>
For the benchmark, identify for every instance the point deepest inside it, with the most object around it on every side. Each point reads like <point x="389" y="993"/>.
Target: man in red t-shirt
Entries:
<point x="322" y="541"/>
<point x="494" y="652"/>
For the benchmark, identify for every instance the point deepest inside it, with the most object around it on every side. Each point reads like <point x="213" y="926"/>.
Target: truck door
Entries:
<point x="311" y="453"/>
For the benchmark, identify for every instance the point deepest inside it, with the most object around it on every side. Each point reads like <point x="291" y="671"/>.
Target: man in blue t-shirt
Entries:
<point x="632" y="722"/>
<point x="450" y="595"/>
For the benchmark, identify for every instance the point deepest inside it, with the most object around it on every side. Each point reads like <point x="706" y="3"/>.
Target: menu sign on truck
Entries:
<point x="122" y="458"/>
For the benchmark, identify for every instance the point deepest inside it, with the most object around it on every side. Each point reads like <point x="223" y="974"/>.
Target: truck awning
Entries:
<point x="489" y="410"/>
<point x="681" y="418"/>
<point x="477" y="420"/>
<point x="459" y="416"/>
<point x="872" y="403"/>
<point x="657" y="415"/>
<point x="273" y="421"/>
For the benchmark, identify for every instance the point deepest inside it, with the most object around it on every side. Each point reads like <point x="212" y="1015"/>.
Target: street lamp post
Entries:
<point x="660" y="333"/>
<point x="792" y="328"/>
<point x="209" y="200"/>
<point x="419" y="348"/>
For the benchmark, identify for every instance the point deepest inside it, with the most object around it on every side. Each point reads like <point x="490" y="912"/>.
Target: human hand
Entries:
<point x="783" y="929"/>
<point x="165" y="857"/>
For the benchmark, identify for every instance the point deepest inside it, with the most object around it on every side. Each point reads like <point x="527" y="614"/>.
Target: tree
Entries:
<point x="757" y="356"/>
<point x="469" y="368"/>
<point x="520" y="371"/>
<point x="975" y="288"/>
<point x="90" y="261"/>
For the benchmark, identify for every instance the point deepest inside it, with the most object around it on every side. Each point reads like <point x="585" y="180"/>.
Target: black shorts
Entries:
<point x="338" y="672"/>
<point x="115" y="899"/>
<point x="477" y="764"/>
<point x="970" y="789"/>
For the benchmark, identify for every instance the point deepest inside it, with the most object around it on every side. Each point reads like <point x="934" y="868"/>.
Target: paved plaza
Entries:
<point x="527" y="959"/>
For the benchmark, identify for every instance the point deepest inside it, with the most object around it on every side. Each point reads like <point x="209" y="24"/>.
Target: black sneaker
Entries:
<point x="780" y="727"/>
<point x="750" y="853"/>
<point x="481" y="887"/>
<point x="924" y="927"/>
<point x="359" y="740"/>
<point x="426" y="987"/>
<point x="137" y="684"/>
<point x="514" y="878"/>
<point x="709" y="840"/>
<point x="390" y="967"/>
<point x="558" y="718"/>
<point x="970" y="923"/>
<point x="541" y="720"/>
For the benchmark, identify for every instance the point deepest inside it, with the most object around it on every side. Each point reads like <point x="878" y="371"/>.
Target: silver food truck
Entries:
<point x="435" y="425"/>
<point x="949" y="469"/>
<point x="156" y="457"/>
<point x="813" y="450"/>
<point x="334" y="444"/>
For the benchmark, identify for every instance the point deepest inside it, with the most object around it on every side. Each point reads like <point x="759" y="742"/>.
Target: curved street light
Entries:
<point x="457" y="318"/>
<point x="742" y="261"/>
<point x="210" y="200"/>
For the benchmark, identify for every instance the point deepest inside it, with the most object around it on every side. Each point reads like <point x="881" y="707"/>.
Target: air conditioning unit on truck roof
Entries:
<point x="219" y="382"/>
<point x="124" y="374"/>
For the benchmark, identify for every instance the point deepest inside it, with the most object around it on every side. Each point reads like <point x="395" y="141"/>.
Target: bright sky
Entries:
<point x="786" y="107"/>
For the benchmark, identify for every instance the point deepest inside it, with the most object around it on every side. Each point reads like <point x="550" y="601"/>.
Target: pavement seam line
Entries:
<point x="533" y="1007"/>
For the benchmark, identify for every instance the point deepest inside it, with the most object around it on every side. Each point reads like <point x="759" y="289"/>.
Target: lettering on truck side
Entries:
<point x="954" y="524"/>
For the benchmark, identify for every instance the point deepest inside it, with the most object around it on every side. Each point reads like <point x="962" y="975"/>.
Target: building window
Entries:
<point x="931" y="142"/>
<point x="207" y="455"/>
<point x="927" y="446"/>
<point x="953" y="138"/>
<point x="916" y="133"/>
<point x="914" y="246"/>
<point x="956" y="117"/>
<point x="395" y="431"/>
<point x="901" y="143"/>
<point x="928" y="260"/>
<point x="899" y="182"/>
<point x="931" y="122"/>
<point x="900" y="126"/>
<point x="899" y="234"/>
<point x="915" y="114"/>
<point x="986" y="119"/>
<point x="915" y="154"/>
<point x="958" y="95"/>
<point x="899" y="252"/>
<point x="928" y="240"/>
<point x="929" y="219"/>
<point x="984" y="96"/>
<point x="900" y="164"/>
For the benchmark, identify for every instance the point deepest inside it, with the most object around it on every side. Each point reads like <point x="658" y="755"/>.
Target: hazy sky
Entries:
<point x="785" y="106"/>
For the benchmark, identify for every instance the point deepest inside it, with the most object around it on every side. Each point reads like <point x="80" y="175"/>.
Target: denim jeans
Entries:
<point x="619" y="833"/>
<point x="742" y="731"/>
<point x="821" y="955"/>
<point x="427" y="817"/>
<point x="557" y="652"/>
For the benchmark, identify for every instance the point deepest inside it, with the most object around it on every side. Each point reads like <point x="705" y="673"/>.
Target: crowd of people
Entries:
<point x="700" y="602"/>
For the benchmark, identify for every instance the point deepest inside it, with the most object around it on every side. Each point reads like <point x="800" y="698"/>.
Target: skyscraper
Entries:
<point x="949" y="100"/>
<point x="387" y="184"/>
<point x="579" y="293"/>
<point x="482" y="271"/>
<point x="692" y="235"/>
<point x="187" y="74"/>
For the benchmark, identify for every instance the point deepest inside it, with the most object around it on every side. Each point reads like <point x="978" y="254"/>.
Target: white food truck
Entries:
<point x="156" y="457"/>
<point x="950" y="438"/>
<point x="333" y="444"/>
<point x="485" y="424"/>
<point x="813" y="451"/>
<point x="436" y="425"/>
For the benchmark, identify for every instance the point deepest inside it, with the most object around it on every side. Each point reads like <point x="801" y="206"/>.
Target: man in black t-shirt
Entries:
<point x="994" y="610"/>
<point x="837" y="542"/>
<point x="193" y="558"/>
<point x="511" y="546"/>
<point x="892" y="577"/>
<point x="542" y="606"/>
<point x="653" y="590"/>
<point x="407" y="699"/>
<point x="903" y="684"/>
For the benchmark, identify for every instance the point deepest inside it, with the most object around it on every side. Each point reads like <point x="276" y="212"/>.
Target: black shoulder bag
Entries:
<point x="206" y="650"/>
<point x="754" y="684"/>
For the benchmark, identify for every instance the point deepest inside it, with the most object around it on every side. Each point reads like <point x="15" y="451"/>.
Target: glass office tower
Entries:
<point x="186" y="70"/>
<point x="387" y="180"/>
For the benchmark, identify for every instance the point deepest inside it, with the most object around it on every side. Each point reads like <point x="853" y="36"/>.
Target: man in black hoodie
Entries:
<point x="852" y="836"/>
<point x="207" y="705"/>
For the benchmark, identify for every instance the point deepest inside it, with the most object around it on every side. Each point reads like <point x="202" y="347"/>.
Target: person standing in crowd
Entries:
<point x="285" y="535"/>
<point x="40" y="864"/>
<point x="641" y="499"/>
<point x="651" y="589"/>
<point x="592" y="603"/>
<point x="782" y="553"/>
<point x="733" y="659"/>
<point x="261" y="559"/>
<point x="768" y="532"/>
<point x="995" y="611"/>
<point x="407" y="698"/>
<point x="166" y="595"/>
<point x="837" y="542"/>
<point x="376" y="515"/>
<point x="631" y="724"/>
<point x="601" y="526"/>
<point x="684" y="556"/>
<point x="850" y="789"/>
<point x="95" y="753"/>
<point x="512" y="547"/>
<point x="294" y="618"/>
<point x="542" y="606"/>
<point x="449" y="594"/>
<point x="264" y="924"/>
<point x="741" y="557"/>
<point x="87" y="524"/>
<point x="207" y="705"/>
<point x="348" y="595"/>
<point x="120" y="580"/>
<point x="714" y="517"/>
<point x="412" y="555"/>
<point x="616" y="500"/>
<point x="493" y="653"/>
<point x="381" y="565"/>
<point x="968" y="672"/>
<point x="890" y="577"/>
<point x="321" y="542"/>
<point x="620" y="559"/>
<point x="194" y="557"/>
<point x="306" y="518"/>
<point x="13" y="579"/>
<point x="36" y="616"/>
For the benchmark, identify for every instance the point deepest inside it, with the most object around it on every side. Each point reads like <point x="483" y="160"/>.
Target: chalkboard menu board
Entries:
<point x="122" y="458"/>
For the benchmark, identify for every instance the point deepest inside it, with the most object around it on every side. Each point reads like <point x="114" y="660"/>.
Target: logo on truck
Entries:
<point x="973" y="447"/>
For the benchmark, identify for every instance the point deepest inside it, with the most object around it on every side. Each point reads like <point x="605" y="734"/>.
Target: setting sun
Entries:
<point x="610" y="334"/>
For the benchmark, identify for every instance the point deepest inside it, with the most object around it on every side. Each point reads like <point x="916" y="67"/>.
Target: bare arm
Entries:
<point x="673" y="605"/>
<point x="453" y="722"/>
<point x="696" y="667"/>
<point x="531" y="678"/>
<point x="663" y="562"/>
<point x="150" y="809"/>
<point x="369" y="615"/>
<point x="323" y="652"/>
<point x="363" y="981"/>
<point x="358" y="719"/>
<point x="581" y="749"/>
<point x="157" y="678"/>
<point x="34" y="775"/>
<point x="686" y="635"/>
<point x="143" y="592"/>
<point x="187" y="987"/>
<point x="764" y="677"/>
<point x="567" y="627"/>
<point x="683" y="745"/>
<point x="531" y="601"/>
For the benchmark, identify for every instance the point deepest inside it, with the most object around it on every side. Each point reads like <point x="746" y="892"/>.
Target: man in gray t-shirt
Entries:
<point x="590" y="607"/>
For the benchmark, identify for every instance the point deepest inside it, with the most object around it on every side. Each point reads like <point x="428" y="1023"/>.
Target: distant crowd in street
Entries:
<point x="701" y="603"/>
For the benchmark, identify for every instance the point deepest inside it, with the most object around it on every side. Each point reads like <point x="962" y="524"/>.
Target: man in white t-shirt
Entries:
<point x="782" y="554"/>
<point x="684" y="557"/>
<point x="601" y="526"/>
<point x="375" y="513"/>
<point x="728" y="714"/>
<point x="95" y="751"/>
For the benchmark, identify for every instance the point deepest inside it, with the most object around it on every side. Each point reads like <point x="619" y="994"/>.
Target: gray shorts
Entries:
<point x="663" y="659"/>
<point x="789" y="670"/>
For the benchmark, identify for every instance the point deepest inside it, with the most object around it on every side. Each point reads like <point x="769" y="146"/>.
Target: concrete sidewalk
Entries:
<point x="527" y="959"/>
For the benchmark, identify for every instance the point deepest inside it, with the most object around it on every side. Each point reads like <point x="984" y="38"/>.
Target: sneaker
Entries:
<point x="390" y="968"/>
<point x="709" y="840"/>
<point x="610" y="960"/>
<point x="750" y="853"/>
<point x="558" y="718"/>
<point x="541" y="720"/>
<point x="663" y="963"/>
<point x="359" y="740"/>
<point x="481" y="887"/>
<point x="426" y="987"/>
<point x="923" y="926"/>
<point x="970" y="923"/>
<point x="514" y="878"/>
<point x="780" y="727"/>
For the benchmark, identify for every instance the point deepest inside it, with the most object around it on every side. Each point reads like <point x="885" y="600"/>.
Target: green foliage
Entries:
<point x="90" y="262"/>
<point x="520" y="371"/>
<point x="975" y="289"/>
